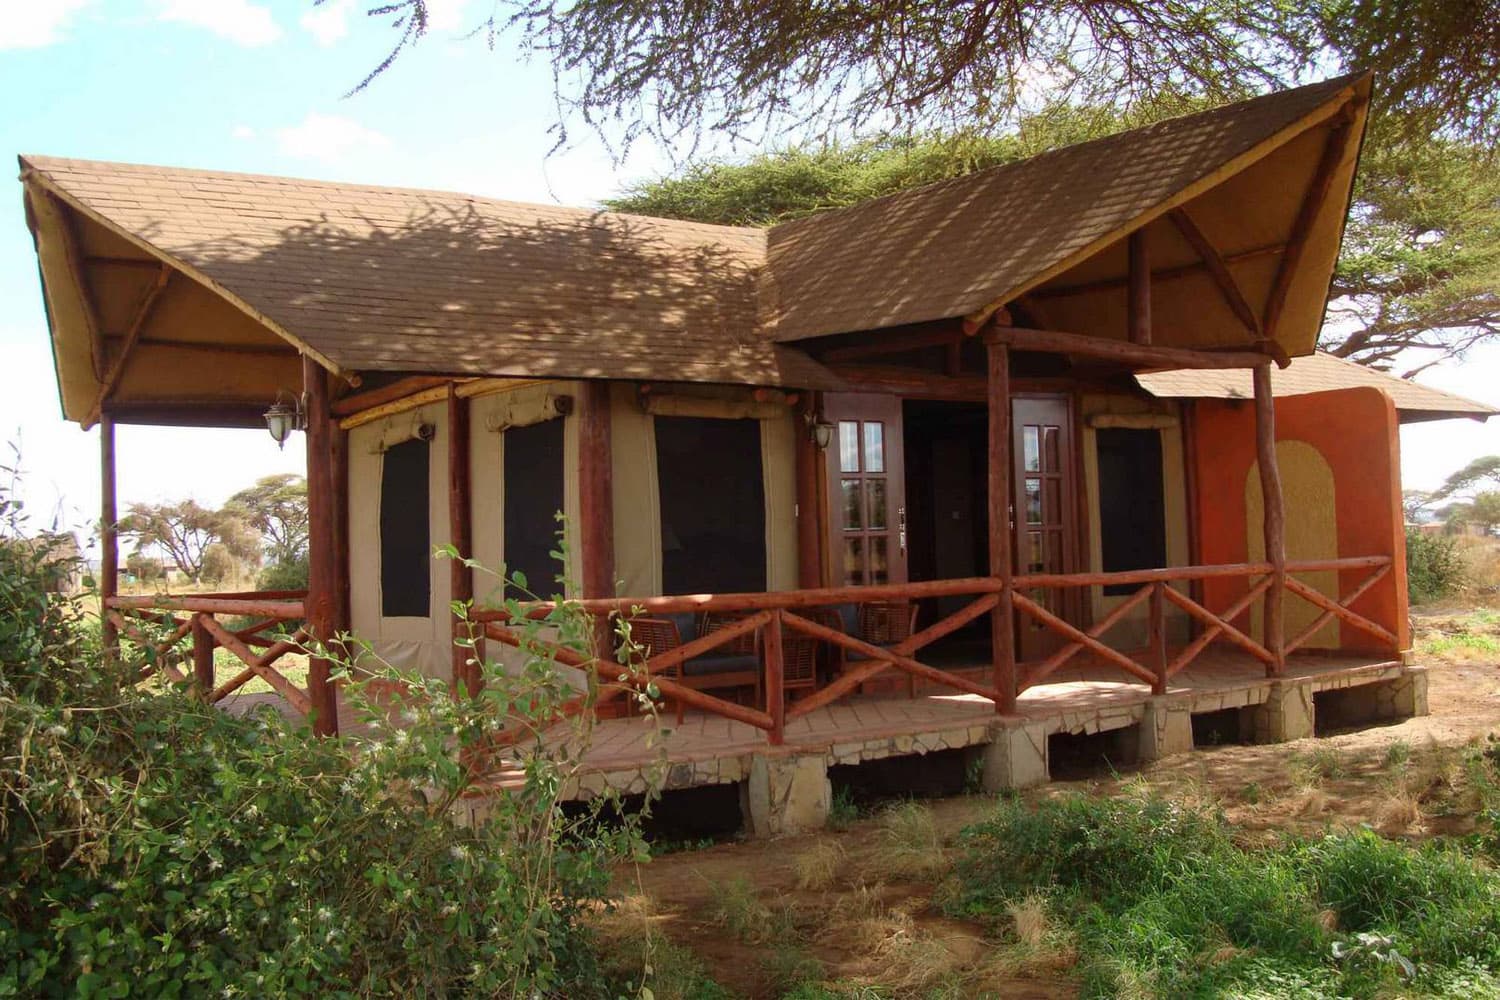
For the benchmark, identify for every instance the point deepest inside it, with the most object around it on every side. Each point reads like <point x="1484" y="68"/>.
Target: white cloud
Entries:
<point x="240" y="21"/>
<point x="242" y="132"/>
<point x="329" y="21"/>
<point x="328" y="138"/>
<point x="37" y="24"/>
<point x="446" y="15"/>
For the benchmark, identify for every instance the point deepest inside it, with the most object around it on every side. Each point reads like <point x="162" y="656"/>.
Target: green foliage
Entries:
<point x="153" y="845"/>
<point x="186" y="530"/>
<point x="1434" y="568"/>
<point x="284" y="575"/>
<point x="276" y="506"/>
<point x="1166" y="903"/>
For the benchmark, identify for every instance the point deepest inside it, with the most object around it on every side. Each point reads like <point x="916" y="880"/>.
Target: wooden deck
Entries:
<point x="710" y="749"/>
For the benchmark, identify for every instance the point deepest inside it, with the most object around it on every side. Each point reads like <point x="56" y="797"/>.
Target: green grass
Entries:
<point x="1459" y="642"/>
<point x="1165" y="902"/>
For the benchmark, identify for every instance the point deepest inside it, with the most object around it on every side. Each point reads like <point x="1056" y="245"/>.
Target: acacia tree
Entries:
<point x="666" y="69"/>
<point x="185" y="531"/>
<point x="276" y="506"/>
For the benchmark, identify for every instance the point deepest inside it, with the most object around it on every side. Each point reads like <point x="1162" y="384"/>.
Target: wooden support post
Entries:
<point x="466" y="673"/>
<point x="1157" y="638"/>
<point x="203" y="659"/>
<point x="1274" y="522"/>
<point x="109" y="538"/>
<point x="1138" y="289"/>
<point x="1002" y="619"/>
<point x="340" y="444"/>
<point x="809" y="506"/>
<point x="596" y="508"/>
<point x="771" y="646"/>
<point x="322" y="574"/>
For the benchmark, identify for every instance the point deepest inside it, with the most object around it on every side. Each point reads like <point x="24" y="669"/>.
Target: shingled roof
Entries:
<point x="1318" y="372"/>
<point x="373" y="279"/>
<point x="396" y="279"/>
<point x="951" y="248"/>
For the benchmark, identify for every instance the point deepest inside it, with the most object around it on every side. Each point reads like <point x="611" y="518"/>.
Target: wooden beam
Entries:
<point x="1002" y="618"/>
<point x="1138" y="289"/>
<point x="73" y="253"/>
<point x="1124" y="352"/>
<point x="467" y="676"/>
<point x="893" y="343"/>
<point x="1313" y="198"/>
<point x="1217" y="269"/>
<point x="112" y="377"/>
<point x="1273" y="517"/>
<point x="809" y="506"/>
<point x="109" y="537"/>
<point x="105" y="260"/>
<point x="976" y="321"/>
<point x="399" y="389"/>
<point x="596" y="508"/>
<point x="912" y="383"/>
<point x="322" y="574"/>
<point x="1166" y="274"/>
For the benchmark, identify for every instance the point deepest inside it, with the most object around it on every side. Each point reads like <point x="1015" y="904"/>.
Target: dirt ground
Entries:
<point x="838" y="897"/>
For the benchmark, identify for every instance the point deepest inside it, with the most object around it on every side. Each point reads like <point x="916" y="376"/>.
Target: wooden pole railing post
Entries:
<point x="109" y="538"/>
<point x="1157" y="632"/>
<point x="1002" y="619"/>
<point x="322" y="575"/>
<point x="203" y="658"/>
<point x="467" y="676"/>
<point x="596" y="507"/>
<point x="771" y="645"/>
<point x="809" y="462"/>
<point x="1274" y="521"/>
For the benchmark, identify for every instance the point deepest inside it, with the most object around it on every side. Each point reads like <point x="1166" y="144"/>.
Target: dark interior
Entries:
<point x="947" y="483"/>
<point x="405" y="574"/>
<point x="533" y="497"/>
<point x="713" y="505"/>
<point x="1132" y="515"/>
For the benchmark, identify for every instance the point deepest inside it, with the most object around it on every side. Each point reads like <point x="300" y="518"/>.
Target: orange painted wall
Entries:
<point x="1356" y="432"/>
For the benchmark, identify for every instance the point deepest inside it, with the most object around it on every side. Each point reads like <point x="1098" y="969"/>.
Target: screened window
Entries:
<point x="713" y="505"/>
<point x="1132" y="515"/>
<point x="533" y="498"/>
<point x="405" y="545"/>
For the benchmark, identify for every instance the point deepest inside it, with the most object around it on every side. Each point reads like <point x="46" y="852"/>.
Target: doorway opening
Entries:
<point x="947" y="486"/>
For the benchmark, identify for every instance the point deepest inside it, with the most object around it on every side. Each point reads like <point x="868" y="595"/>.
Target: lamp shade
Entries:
<point x="281" y="420"/>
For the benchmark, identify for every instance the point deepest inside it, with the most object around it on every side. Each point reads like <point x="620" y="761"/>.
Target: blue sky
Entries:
<point x="257" y="85"/>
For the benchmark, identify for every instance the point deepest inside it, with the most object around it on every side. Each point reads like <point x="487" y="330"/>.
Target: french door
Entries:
<point x="867" y="489"/>
<point x="1045" y="512"/>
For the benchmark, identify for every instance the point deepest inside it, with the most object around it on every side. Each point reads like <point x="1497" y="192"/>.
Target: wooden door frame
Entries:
<point x="895" y="444"/>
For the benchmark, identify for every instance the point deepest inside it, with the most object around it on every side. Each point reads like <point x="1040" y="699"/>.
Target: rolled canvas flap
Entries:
<point x="528" y="405"/>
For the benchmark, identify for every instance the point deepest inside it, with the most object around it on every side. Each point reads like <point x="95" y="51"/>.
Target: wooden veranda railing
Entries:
<point x="198" y="617"/>
<point x="778" y="616"/>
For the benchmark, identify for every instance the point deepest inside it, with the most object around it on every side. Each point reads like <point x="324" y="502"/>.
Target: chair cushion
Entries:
<point x="708" y="666"/>
<point x="686" y="622"/>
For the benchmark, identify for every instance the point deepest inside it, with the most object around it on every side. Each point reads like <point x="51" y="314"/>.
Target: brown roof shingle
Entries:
<point x="383" y="279"/>
<point x="1316" y="373"/>
<point x="397" y="279"/>
<point x="951" y="248"/>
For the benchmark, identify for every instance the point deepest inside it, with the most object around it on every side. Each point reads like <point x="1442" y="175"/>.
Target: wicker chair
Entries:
<point x="734" y="664"/>
<point x="879" y="623"/>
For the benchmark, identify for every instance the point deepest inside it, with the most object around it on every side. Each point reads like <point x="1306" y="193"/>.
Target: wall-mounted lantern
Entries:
<point x="284" y="417"/>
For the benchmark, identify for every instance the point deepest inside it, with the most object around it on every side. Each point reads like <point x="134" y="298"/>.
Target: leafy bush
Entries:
<point x="284" y="575"/>
<point x="151" y="844"/>
<point x="1434" y="568"/>
<point x="1166" y="903"/>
